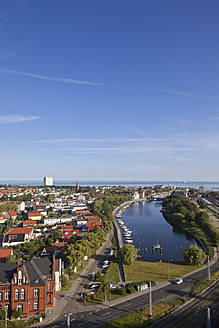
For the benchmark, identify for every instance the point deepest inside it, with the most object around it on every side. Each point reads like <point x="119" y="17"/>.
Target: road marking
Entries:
<point x="81" y="316"/>
<point x="106" y="313"/>
<point x="97" y="310"/>
<point x="63" y="323"/>
<point x="72" y="319"/>
<point x="54" y="326"/>
<point x="90" y="313"/>
<point x="127" y="304"/>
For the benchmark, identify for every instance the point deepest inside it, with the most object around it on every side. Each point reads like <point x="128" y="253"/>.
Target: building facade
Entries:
<point x="29" y="286"/>
<point x="48" y="181"/>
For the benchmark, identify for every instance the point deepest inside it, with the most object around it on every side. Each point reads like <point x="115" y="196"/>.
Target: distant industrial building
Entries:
<point x="48" y="181"/>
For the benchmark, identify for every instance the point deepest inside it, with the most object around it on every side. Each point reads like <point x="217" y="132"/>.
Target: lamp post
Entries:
<point x="110" y="288"/>
<point x="169" y="269"/>
<point x="68" y="323"/>
<point x="6" y="313"/>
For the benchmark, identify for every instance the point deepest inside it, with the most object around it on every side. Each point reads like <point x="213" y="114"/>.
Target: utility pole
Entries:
<point x="150" y="301"/>
<point x="169" y="269"/>
<point x="208" y="269"/>
<point x="68" y="321"/>
<point x="208" y="324"/>
<point x="6" y="313"/>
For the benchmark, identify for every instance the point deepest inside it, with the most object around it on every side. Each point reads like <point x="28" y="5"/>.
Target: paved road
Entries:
<point x="96" y="316"/>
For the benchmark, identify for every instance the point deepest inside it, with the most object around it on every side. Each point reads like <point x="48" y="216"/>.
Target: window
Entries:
<point x="22" y="293"/>
<point x="0" y="296"/>
<point x="15" y="279"/>
<point x="49" y="288"/>
<point x="35" y="307"/>
<point x="20" y="274"/>
<point x="6" y="296"/>
<point x="6" y="307"/>
<point x="35" y="292"/>
<point x="20" y="307"/>
<point x="16" y="296"/>
<point x="24" y="280"/>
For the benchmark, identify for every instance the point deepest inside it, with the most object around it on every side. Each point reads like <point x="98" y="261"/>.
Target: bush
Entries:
<point x="64" y="281"/>
<point x="119" y="291"/>
<point x="130" y="289"/>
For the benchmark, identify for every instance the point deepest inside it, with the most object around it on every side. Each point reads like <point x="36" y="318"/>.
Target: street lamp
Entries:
<point x="68" y="323"/>
<point x="110" y="288"/>
<point x="169" y="269"/>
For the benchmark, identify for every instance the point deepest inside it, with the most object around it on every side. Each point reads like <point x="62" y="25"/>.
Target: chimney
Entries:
<point x="19" y="261"/>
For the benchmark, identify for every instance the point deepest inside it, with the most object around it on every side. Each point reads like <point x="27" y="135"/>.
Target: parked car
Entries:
<point x="178" y="281"/>
<point x="105" y="264"/>
<point x="90" y="292"/>
<point x="94" y="286"/>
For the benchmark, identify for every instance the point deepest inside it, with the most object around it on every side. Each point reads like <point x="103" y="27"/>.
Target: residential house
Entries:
<point x="34" y="216"/>
<point x="4" y="253"/>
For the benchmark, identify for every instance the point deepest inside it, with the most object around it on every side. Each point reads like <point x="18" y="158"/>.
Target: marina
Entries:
<point x="143" y="225"/>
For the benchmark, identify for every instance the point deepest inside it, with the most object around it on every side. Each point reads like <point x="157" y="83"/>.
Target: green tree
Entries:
<point x="16" y="313"/>
<point x="127" y="254"/>
<point x="194" y="255"/>
<point x="2" y="315"/>
<point x="64" y="281"/>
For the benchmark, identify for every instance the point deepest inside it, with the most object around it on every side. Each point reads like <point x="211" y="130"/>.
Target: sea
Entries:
<point x="183" y="184"/>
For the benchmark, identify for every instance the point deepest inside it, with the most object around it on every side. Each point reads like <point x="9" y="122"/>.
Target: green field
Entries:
<point x="150" y="271"/>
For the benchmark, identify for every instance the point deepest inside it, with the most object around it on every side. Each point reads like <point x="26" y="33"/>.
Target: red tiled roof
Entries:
<point x="5" y="252"/>
<point x="27" y="230"/>
<point x="34" y="214"/>
<point x="12" y="213"/>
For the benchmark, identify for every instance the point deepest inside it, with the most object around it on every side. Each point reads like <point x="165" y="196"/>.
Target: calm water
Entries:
<point x="147" y="223"/>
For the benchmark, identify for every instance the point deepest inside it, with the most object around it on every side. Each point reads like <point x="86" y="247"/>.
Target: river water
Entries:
<point x="148" y="225"/>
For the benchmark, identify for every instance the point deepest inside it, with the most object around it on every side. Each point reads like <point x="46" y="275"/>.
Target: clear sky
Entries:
<point x="109" y="90"/>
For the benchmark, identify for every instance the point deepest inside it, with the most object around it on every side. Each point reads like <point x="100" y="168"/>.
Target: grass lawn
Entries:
<point x="100" y="299"/>
<point x="112" y="273"/>
<point x="158" y="271"/>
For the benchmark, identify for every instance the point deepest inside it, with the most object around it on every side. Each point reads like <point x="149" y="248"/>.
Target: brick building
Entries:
<point x="29" y="286"/>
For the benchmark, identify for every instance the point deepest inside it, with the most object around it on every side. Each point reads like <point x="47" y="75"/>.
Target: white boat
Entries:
<point x="129" y="241"/>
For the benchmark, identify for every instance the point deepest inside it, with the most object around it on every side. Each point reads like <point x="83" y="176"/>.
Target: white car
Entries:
<point x="178" y="281"/>
<point x="105" y="264"/>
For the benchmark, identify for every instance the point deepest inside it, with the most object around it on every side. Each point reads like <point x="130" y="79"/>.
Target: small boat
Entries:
<point x="157" y="245"/>
<point x="129" y="241"/>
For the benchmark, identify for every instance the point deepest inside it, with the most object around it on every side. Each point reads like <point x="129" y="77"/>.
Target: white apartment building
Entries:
<point x="48" y="181"/>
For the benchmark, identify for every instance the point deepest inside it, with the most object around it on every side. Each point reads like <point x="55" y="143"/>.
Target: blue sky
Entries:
<point x="109" y="90"/>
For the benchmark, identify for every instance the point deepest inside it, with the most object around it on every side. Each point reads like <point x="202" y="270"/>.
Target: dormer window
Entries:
<point x="20" y="274"/>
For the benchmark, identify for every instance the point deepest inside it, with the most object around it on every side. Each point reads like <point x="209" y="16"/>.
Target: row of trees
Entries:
<point x="182" y="210"/>
<point x="85" y="247"/>
<point x="88" y="246"/>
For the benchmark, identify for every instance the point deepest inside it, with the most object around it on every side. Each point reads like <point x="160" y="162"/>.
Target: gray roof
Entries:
<point x="37" y="270"/>
<point x="6" y="272"/>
